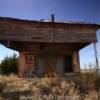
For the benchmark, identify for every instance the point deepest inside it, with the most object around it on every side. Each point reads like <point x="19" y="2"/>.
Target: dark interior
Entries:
<point x="68" y="64"/>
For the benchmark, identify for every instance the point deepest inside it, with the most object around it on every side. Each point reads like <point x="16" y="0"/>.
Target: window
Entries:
<point x="29" y="65"/>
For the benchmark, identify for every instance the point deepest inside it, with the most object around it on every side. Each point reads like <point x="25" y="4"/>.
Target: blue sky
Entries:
<point x="66" y="10"/>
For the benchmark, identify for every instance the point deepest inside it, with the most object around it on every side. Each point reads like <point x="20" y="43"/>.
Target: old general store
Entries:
<point x="46" y="47"/>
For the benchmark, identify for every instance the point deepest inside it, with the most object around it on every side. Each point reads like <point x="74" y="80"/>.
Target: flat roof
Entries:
<point x="48" y="21"/>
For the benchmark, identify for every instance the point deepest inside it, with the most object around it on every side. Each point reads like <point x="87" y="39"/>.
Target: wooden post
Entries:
<point x="96" y="57"/>
<point x="21" y="63"/>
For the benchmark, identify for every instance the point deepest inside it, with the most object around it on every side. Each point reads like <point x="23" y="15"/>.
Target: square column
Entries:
<point x="76" y="62"/>
<point x="21" y="63"/>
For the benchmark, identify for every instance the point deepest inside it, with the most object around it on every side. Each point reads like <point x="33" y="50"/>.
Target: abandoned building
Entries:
<point x="46" y="47"/>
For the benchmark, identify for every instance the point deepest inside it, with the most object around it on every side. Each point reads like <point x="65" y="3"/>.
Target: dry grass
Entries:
<point x="52" y="88"/>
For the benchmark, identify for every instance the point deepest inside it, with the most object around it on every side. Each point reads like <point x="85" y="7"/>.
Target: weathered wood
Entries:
<point x="32" y="31"/>
<point x="96" y="58"/>
<point x="48" y="42"/>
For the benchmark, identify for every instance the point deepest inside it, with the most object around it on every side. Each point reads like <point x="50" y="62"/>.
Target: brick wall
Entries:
<point x="45" y="65"/>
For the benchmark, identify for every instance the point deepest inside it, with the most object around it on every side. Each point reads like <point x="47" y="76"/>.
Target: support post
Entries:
<point x="96" y="57"/>
<point x="21" y="63"/>
<point x="76" y="62"/>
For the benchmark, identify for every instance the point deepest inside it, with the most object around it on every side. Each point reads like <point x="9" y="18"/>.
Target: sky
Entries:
<point x="64" y="10"/>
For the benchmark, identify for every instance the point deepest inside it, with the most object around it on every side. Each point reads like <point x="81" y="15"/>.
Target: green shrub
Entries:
<point x="9" y="65"/>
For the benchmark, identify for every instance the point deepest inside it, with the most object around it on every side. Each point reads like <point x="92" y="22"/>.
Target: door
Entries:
<point x="40" y="65"/>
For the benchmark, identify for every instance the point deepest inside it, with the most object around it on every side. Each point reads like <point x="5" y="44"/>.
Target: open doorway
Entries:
<point x="68" y="64"/>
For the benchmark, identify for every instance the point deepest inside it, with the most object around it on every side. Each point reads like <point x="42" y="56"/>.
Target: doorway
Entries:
<point x="68" y="68"/>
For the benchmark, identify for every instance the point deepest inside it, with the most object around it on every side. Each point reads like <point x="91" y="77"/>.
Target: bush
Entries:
<point x="85" y="81"/>
<point x="97" y="82"/>
<point x="9" y="65"/>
